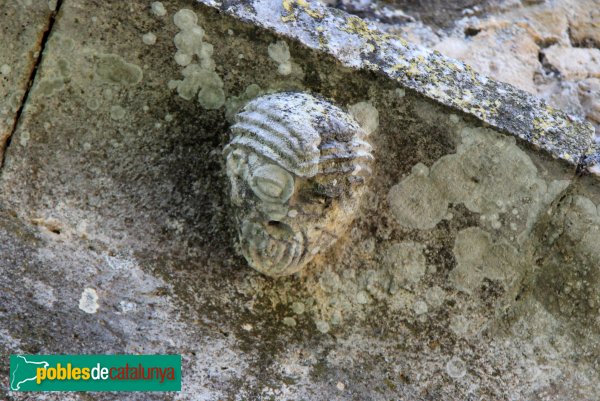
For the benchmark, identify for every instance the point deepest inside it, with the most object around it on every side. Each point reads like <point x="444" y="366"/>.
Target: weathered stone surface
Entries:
<point x="451" y="82"/>
<point x="574" y="63"/>
<point x="115" y="184"/>
<point x="509" y="44"/>
<point x="584" y="19"/>
<point x="22" y="26"/>
<point x="567" y="256"/>
<point x="428" y="11"/>
<point x="489" y="56"/>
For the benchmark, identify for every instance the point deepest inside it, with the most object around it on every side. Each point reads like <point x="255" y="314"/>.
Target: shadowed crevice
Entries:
<point x="30" y="80"/>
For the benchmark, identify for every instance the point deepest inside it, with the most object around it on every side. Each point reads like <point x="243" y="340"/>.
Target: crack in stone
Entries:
<point x="30" y="81"/>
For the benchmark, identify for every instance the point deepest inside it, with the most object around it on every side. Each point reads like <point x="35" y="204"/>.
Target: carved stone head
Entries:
<point x="297" y="166"/>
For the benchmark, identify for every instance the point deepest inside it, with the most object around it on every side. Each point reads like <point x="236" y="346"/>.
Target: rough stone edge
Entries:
<point x="453" y="83"/>
<point x="591" y="161"/>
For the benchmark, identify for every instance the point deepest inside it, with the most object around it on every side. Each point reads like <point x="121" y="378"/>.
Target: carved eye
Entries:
<point x="271" y="183"/>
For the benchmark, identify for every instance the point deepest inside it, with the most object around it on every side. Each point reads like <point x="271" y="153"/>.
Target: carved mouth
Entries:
<point x="273" y="247"/>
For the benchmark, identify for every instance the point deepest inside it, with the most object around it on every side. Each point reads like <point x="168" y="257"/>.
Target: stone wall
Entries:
<point x="468" y="272"/>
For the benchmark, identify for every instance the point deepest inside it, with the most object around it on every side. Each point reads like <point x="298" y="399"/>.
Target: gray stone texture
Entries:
<point x="114" y="182"/>
<point x="24" y="23"/>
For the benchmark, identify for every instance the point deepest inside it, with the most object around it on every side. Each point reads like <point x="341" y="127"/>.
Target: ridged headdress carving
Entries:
<point x="297" y="166"/>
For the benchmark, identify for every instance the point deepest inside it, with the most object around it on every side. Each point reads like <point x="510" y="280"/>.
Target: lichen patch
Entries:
<point x="114" y="69"/>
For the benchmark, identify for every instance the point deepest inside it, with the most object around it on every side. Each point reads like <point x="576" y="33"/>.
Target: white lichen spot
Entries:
<point x="298" y="308"/>
<point x="117" y="112"/>
<point x="416" y="202"/>
<point x="183" y="59"/>
<point x="5" y="69"/>
<point x="486" y="174"/>
<point x="185" y="19"/>
<point x="420" y="308"/>
<point x="280" y="53"/>
<point x="127" y="307"/>
<point x="199" y="79"/>
<point x="336" y="317"/>
<point x="205" y="52"/>
<point x="340" y="386"/>
<point x="460" y="325"/>
<point x="289" y="321"/>
<point x="24" y="138"/>
<point x="149" y="38"/>
<point x="366" y="115"/>
<point x="49" y="86"/>
<point x="115" y="70"/>
<point x="189" y="41"/>
<point x="434" y="296"/>
<point x="157" y="8"/>
<point x="89" y="301"/>
<point x="406" y="263"/>
<point x="420" y="169"/>
<point x="284" y="69"/>
<point x="479" y="257"/>
<point x="169" y="118"/>
<point x="211" y="97"/>
<point x="93" y="104"/>
<point x="247" y="327"/>
<point x="362" y="298"/>
<point x="400" y="92"/>
<point x="322" y="326"/>
<point x="330" y="281"/>
<point x="52" y="5"/>
<point x="456" y="368"/>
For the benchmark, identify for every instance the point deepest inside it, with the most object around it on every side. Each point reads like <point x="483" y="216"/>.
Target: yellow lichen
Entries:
<point x="540" y="124"/>
<point x="413" y="71"/>
<point x="361" y="28"/>
<point x="397" y="67"/>
<point x="291" y="5"/>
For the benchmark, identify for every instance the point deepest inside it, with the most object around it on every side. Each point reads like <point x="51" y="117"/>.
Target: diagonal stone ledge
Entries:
<point x="450" y="82"/>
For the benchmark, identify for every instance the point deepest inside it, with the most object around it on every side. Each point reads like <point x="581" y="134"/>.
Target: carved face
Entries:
<point x="294" y="193"/>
